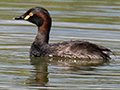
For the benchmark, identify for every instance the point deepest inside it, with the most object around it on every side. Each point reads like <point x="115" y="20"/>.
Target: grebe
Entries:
<point x="71" y="49"/>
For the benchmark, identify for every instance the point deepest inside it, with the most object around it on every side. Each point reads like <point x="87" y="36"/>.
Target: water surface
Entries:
<point x="89" y="20"/>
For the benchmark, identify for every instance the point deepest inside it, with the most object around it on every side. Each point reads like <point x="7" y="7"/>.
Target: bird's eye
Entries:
<point x="28" y="16"/>
<point x="31" y="14"/>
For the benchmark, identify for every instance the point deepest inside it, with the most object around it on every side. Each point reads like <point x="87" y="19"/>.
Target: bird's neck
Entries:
<point x="42" y="36"/>
<point x="43" y="31"/>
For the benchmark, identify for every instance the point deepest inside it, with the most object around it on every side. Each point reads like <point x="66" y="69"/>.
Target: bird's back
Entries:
<point x="79" y="49"/>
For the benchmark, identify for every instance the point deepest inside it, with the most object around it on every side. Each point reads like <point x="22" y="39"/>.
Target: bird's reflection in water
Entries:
<point x="40" y="70"/>
<point x="41" y="67"/>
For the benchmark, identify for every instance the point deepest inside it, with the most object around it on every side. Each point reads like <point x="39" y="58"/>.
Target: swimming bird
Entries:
<point x="71" y="49"/>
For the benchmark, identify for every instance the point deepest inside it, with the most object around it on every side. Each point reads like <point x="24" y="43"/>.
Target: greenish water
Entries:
<point x="90" y="20"/>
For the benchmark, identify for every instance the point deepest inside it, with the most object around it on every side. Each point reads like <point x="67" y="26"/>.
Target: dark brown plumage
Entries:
<point x="71" y="49"/>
